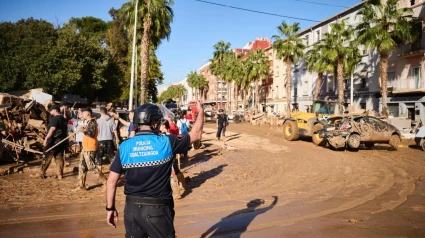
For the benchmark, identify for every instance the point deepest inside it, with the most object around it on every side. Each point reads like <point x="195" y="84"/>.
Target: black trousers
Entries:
<point x="154" y="221"/>
<point x="219" y="129"/>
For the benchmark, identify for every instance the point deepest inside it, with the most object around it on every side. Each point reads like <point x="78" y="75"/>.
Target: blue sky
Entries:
<point x="196" y="28"/>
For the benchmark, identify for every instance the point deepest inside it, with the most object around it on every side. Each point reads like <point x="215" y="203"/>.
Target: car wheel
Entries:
<point x="394" y="141"/>
<point x="422" y="144"/>
<point x="354" y="141"/>
<point x="290" y="130"/>
<point x="317" y="139"/>
<point x="369" y="145"/>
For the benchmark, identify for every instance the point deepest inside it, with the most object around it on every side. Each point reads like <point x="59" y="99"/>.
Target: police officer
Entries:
<point x="146" y="160"/>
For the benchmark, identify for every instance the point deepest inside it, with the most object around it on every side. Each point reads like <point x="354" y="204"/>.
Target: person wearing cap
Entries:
<point x="56" y="131"/>
<point x="222" y="123"/>
<point x="88" y="154"/>
<point x="146" y="160"/>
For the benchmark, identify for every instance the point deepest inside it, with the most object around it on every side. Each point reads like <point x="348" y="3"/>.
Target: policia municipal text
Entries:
<point x="149" y="208"/>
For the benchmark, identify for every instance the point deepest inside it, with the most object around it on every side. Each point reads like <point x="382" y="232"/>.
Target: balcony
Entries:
<point x="411" y="50"/>
<point x="407" y="85"/>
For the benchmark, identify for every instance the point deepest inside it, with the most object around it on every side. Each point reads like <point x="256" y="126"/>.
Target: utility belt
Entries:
<point x="149" y="201"/>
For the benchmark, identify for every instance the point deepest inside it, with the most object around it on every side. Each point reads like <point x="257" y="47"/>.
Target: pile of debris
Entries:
<point x="23" y="124"/>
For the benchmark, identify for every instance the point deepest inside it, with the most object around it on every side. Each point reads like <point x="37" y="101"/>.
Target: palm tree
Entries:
<point x="198" y="82"/>
<point x="317" y="62"/>
<point x="157" y="16"/>
<point x="257" y="70"/>
<point x="180" y="91"/>
<point x="290" y="49"/>
<point x="384" y="27"/>
<point x="337" y="48"/>
<point x="221" y="48"/>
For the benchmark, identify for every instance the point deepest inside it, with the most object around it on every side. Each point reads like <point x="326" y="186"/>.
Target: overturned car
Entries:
<point x="352" y="131"/>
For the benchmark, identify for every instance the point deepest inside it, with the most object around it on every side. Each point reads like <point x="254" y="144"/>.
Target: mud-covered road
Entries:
<point x="268" y="187"/>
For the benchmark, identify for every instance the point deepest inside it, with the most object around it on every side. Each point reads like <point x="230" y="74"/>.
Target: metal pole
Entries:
<point x="130" y="100"/>
<point x="351" y="91"/>
<point x="135" y="81"/>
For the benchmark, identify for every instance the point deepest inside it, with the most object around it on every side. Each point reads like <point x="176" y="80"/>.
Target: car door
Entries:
<point x="361" y="126"/>
<point x="379" y="128"/>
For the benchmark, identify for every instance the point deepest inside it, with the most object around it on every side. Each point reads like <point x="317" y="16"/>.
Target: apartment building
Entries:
<point x="406" y="71"/>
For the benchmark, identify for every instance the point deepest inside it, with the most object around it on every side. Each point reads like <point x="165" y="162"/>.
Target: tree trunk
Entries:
<point x="244" y="97"/>
<point x="340" y="73"/>
<point x="229" y="95"/>
<point x="145" y="55"/>
<point x="288" y="87"/>
<point x="236" y="98"/>
<point x="318" y="85"/>
<point x="384" y="80"/>
<point x="257" y="94"/>
<point x="216" y="95"/>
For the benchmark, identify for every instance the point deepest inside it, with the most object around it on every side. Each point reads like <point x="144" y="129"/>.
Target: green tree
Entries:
<point x="290" y="48"/>
<point x="217" y="66"/>
<point x="337" y="49"/>
<point x="257" y="69"/>
<point x="384" y="27"/>
<point x="198" y="82"/>
<point x="317" y="62"/>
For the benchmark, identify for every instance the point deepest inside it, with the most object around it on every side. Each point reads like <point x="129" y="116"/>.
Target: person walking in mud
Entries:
<point x="239" y="220"/>
<point x="222" y="124"/>
<point x="88" y="154"/>
<point x="146" y="161"/>
<point x="56" y="132"/>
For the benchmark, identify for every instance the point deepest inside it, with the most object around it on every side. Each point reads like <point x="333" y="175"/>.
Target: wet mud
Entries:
<point x="263" y="187"/>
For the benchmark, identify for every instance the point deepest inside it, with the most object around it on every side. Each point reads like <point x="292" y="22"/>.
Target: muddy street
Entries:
<point x="252" y="184"/>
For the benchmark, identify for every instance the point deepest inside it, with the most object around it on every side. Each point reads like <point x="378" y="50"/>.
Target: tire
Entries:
<point x="395" y="141"/>
<point x="353" y="141"/>
<point x="369" y="145"/>
<point x="317" y="139"/>
<point x="290" y="130"/>
<point x="422" y="144"/>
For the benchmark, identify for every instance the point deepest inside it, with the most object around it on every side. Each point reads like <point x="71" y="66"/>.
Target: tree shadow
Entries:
<point x="238" y="222"/>
<point x="198" y="180"/>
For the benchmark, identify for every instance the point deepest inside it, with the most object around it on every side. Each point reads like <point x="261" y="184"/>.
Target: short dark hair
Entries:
<point x="87" y="109"/>
<point x="103" y="110"/>
<point x="166" y="124"/>
<point x="113" y="110"/>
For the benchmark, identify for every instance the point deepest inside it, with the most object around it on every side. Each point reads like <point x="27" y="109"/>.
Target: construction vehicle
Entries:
<point x="308" y="123"/>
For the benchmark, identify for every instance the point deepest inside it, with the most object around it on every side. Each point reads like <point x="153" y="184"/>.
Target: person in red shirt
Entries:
<point x="189" y="116"/>
<point x="174" y="130"/>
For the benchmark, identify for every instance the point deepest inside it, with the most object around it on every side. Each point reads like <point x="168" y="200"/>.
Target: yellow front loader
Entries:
<point x="308" y="123"/>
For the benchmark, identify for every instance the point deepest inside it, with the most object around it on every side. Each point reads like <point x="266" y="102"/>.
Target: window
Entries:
<point x="331" y="83"/>
<point x="306" y="41"/>
<point x="412" y="2"/>
<point x="317" y="35"/>
<point x="363" y="105"/>
<point x="391" y="77"/>
<point x="347" y="84"/>
<point x="363" y="83"/>
<point x="416" y="78"/>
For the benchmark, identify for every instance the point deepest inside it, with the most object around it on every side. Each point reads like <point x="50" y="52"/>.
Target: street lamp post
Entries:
<point x="130" y="100"/>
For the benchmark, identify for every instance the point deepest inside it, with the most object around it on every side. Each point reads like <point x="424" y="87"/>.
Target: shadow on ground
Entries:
<point x="236" y="224"/>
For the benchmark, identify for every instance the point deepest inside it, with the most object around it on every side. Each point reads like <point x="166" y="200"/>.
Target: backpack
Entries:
<point x="184" y="128"/>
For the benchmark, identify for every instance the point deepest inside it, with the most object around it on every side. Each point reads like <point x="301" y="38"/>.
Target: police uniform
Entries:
<point x="147" y="160"/>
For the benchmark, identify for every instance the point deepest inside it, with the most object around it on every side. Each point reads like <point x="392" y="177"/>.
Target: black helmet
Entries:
<point x="145" y="114"/>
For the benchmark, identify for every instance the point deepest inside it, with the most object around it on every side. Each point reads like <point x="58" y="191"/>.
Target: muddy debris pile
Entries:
<point x="23" y="124"/>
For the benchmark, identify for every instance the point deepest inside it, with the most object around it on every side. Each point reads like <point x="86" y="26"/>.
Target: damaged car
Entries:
<point x="352" y="131"/>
